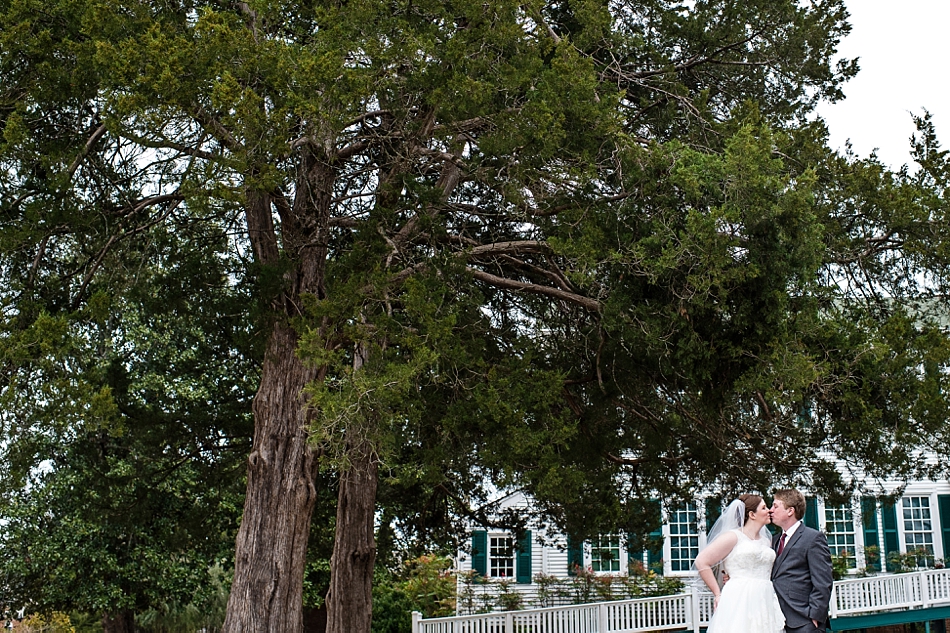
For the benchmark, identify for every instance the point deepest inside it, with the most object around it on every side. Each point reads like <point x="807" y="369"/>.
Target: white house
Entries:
<point x="916" y="522"/>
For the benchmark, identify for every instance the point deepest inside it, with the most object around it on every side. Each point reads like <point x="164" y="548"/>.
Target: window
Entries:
<point x="684" y="537"/>
<point x="839" y="525"/>
<point x="605" y="553"/>
<point x="918" y="529"/>
<point x="501" y="557"/>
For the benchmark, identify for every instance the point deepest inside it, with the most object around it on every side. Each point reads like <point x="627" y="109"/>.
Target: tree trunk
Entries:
<point x="119" y="622"/>
<point x="267" y="591"/>
<point x="350" y="600"/>
<point x="271" y="547"/>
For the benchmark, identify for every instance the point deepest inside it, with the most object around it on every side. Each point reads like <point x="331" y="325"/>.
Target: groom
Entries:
<point x="802" y="571"/>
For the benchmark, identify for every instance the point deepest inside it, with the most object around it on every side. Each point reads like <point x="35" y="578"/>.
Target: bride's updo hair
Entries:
<point x="751" y="505"/>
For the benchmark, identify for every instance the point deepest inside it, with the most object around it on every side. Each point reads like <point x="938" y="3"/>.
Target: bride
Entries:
<point x="739" y="544"/>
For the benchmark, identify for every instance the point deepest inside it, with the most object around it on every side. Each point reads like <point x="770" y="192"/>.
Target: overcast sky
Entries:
<point x="904" y="51"/>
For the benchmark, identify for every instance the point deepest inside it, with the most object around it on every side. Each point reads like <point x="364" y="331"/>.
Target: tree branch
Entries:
<point x="169" y="144"/>
<point x="251" y="16"/>
<point x="510" y="248"/>
<point x="147" y="202"/>
<point x="36" y="262"/>
<point x="556" y="293"/>
<point x="627" y="461"/>
<point x="695" y="60"/>
<point x="216" y="129"/>
<point x="96" y="135"/>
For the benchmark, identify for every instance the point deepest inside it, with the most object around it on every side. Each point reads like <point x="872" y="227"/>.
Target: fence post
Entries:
<point x="509" y="622"/>
<point x="602" y="618"/>
<point x="416" y="626"/>
<point x="693" y="608"/>
<point x="833" y="604"/>
<point x="924" y="591"/>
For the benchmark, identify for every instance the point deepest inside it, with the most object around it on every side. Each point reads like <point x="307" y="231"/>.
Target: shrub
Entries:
<point x="430" y="585"/>
<point x="55" y="622"/>
<point x="508" y="599"/>
<point x="872" y="556"/>
<point x="426" y="584"/>
<point x="841" y="563"/>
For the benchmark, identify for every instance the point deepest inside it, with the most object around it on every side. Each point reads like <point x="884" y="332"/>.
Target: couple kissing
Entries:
<point x="776" y="584"/>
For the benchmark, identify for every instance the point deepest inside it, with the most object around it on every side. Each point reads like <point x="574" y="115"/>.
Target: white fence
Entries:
<point x="692" y="610"/>
<point x="686" y="611"/>
<point x="917" y="590"/>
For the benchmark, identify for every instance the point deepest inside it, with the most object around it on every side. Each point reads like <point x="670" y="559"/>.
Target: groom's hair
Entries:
<point x="792" y="499"/>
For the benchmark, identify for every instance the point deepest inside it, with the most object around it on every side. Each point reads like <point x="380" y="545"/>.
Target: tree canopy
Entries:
<point x="598" y="250"/>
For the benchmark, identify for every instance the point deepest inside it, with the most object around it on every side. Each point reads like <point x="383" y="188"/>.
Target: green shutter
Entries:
<point x="480" y="552"/>
<point x="634" y="558"/>
<point x="804" y="415"/>
<point x="713" y="512"/>
<point x="575" y="556"/>
<point x="811" y="513"/>
<point x="891" y="542"/>
<point x="943" y="503"/>
<point x="655" y="551"/>
<point x="871" y="532"/>
<point x="523" y="571"/>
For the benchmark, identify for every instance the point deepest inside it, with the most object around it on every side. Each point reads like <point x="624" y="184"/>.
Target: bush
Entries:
<point x="841" y="563"/>
<point x="392" y="611"/>
<point x="912" y="560"/>
<point x="872" y="556"/>
<point x="430" y="585"/>
<point x="508" y="599"/>
<point x="55" y="622"/>
<point x="426" y="584"/>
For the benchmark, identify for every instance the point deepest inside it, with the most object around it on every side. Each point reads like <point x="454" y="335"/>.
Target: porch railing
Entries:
<point x="685" y="611"/>
<point x="692" y="609"/>
<point x="915" y="590"/>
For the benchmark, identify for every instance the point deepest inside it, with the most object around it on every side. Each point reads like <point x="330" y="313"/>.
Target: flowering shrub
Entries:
<point x="476" y="595"/>
<point x="430" y="585"/>
<point x="56" y="622"/>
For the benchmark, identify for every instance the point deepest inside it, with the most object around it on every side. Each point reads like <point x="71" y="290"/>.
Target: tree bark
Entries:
<point x="119" y="622"/>
<point x="350" y="600"/>
<point x="271" y="548"/>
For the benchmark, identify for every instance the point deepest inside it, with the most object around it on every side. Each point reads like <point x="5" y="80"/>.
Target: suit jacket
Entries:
<point x="802" y="578"/>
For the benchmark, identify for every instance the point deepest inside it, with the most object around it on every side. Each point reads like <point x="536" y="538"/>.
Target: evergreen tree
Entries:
<point x="593" y="249"/>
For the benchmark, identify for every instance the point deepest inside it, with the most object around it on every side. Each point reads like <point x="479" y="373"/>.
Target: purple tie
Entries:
<point x="781" y="545"/>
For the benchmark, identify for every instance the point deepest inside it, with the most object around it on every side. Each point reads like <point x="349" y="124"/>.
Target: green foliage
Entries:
<point x="123" y="471"/>
<point x="872" y="557"/>
<point x="584" y="586"/>
<point x="587" y="586"/>
<point x="914" y="559"/>
<point x="430" y="585"/>
<point x="594" y="251"/>
<point x="54" y="623"/>
<point x="508" y="597"/>
<point x="392" y="612"/>
<point x="425" y="584"/>
<point x="842" y="563"/>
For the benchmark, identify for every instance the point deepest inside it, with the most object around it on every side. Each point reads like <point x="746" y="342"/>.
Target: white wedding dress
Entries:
<point x="748" y="603"/>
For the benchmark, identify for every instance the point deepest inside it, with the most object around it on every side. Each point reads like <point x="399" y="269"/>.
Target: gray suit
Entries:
<point x="802" y="579"/>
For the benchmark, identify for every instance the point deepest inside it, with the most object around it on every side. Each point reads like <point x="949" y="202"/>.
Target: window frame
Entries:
<point x="491" y="557"/>
<point x="903" y="532"/>
<point x="591" y="547"/>
<point x="857" y="540"/>
<point x="699" y="504"/>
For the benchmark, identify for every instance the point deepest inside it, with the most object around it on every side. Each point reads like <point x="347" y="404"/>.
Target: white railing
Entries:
<point x="691" y="610"/>
<point x="917" y="590"/>
<point x="685" y="611"/>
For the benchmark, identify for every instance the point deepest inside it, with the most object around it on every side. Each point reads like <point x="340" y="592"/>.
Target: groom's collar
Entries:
<point x="790" y="531"/>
